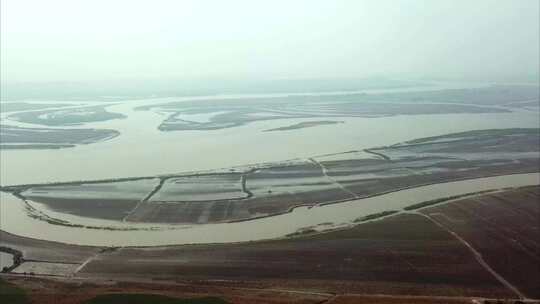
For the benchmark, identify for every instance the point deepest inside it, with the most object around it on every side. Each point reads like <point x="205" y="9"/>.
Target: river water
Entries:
<point x="143" y="150"/>
<point x="15" y="220"/>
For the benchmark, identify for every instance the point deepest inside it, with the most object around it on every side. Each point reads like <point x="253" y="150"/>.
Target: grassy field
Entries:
<point x="12" y="294"/>
<point x="149" y="299"/>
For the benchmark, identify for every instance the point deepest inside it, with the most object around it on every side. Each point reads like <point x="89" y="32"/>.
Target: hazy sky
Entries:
<point x="79" y="40"/>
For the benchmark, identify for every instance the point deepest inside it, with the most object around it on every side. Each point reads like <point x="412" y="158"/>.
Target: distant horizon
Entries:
<point x="146" y="88"/>
<point x="94" y="41"/>
<point x="157" y="79"/>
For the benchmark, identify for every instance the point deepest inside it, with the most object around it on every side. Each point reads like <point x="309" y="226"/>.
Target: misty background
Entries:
<point x="64" y="47"/>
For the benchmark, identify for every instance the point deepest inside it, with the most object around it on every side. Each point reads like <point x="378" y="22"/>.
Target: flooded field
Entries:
<point x="46" y="268"/>
<point x="201" y="188"/>
<point x="111" y="200"/>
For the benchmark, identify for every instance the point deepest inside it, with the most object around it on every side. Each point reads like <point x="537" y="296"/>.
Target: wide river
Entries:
<point x="143" y="150"/>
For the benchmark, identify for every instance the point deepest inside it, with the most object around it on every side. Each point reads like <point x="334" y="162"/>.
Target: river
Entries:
<point x="15" y="220"/>
<point x="143" y="150"/>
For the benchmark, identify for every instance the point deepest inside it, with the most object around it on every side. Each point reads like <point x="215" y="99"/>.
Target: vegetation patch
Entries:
<point x="440" y="200"/>
<point x="374" y="216"/>
<point x="302" y="232"/>
<point x="305" y="124"/>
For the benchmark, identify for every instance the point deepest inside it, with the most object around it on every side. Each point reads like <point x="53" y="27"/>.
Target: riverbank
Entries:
<point x="428" y="252"/>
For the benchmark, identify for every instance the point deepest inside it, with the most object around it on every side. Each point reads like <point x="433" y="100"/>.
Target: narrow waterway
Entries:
<point x="15" y="220"/>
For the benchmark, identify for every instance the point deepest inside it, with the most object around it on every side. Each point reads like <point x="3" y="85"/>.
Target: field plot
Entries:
<point x="112" y="200"/>
<point x="182" y="212"/>
<point x="277" y="189"/>
<point x="504" y="228"/>
<point x="471" y="145"/>
<point x="46" y="268"/>
<point x="33" y="249"/>
<point x="438" y="159"/>
<point x="267" y="191"/>
<point x="209" y="187"/>
<point x="193" y="199"/>
<point x="405" y="254"/>
<point x="384" y="176"/>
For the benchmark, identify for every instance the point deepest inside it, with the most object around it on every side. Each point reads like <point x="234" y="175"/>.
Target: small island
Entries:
<point x="305" y="124"/>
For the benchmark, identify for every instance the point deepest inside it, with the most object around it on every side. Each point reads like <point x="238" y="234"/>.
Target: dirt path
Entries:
<point x="377" y="154"/>
<point x="325" y="173"/>
<point x="146" y="198"/>
<point x="478" y="257"/>
<point x="81" y="266"/>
